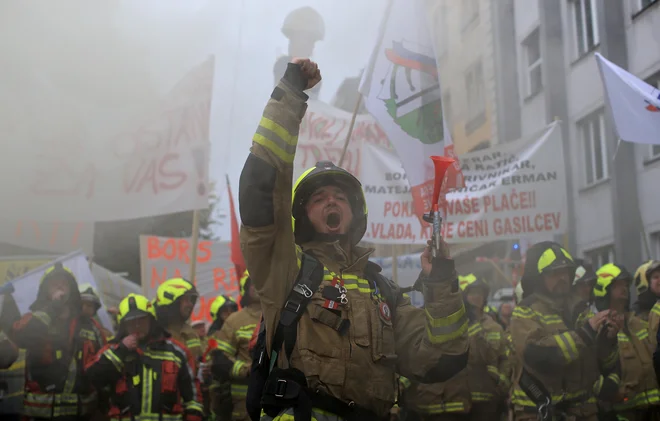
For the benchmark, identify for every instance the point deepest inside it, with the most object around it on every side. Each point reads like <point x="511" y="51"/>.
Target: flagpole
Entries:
<point x="193" y="244"/>
<point x="350" y="129"/>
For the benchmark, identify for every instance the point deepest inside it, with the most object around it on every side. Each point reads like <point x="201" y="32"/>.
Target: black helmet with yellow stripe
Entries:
<point x="643" y="274"/>
<point x="325" y="173"/>
<point x="542" y="258"/>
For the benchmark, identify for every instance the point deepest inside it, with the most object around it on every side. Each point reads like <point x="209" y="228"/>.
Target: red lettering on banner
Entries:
<point x="512" y="201"/>
<point x="472" y="229"/>
<point x="158" y="174"/>
<point x="178" y="249"/>
<point x="227" y="283"/>
<point x="398" y="209"/>
<point x="52" y="228"/>
<point x="392" y="231"/>
<point x="465" y="206"/>
<point x="541" y="222"/>
<point x="159" y="278"/>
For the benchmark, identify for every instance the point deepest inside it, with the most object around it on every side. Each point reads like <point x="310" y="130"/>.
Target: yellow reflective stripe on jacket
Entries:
<point x="236" y="369"/>
<point x="226" y="347"/>
<point x="114" y="359"/>
<point x="239" y="390"/>
<point x="598" y="385"/>
<point x="193" y="405"/>
<point x="482" y="397"/>
<point x="518" y="397"/>
<point x="474" y="329"/>
<point x="611" y="360"/>
<point x="193" y="343"/>
<point x="157" y="417"/>
<point x="245" y="332"/>
<point x="43" y="317"/>
<point x="147" y="390"/>
<point x="162" y="355"/>
<point x="656" y="308"/>
<point x="567" y="345"/>
<point x="496" y="372"/>
<point x="404" y="382"/>
<point x="276" y="139"/>
<point x="351" y="282"/>
<point x="441" y="408"/>
<point x="447" y="328"/>
<point x="528" y="313"/>
<point x="45" y="405"/>
<point x="493" y="336"/>
<point x="646" y="398"/>
<point x="642" y="334"/>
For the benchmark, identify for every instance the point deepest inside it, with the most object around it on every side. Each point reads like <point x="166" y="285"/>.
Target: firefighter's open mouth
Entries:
<point x="333" y="220"/>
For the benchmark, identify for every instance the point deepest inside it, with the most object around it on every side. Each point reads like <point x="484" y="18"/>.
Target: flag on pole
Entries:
<point x="401" y="88"/>
<point x="236" y="253"/>
<point x="635" y="105"/>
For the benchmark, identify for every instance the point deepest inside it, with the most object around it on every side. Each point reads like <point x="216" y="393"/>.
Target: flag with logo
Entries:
<point x="401" y="88"/>
<point x="635" y="105"/>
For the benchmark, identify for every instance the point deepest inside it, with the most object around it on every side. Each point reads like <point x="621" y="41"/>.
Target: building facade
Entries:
<point x="613" y="191"/>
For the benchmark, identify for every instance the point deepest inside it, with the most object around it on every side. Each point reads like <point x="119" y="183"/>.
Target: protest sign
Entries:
<point x="14" y="267"/>
<point x="26" y="287"/>
<point x="513" y="190"/>
<point x="162" y="258"/>
<point x="49" y="236"/>
<point x="100" y="163"/>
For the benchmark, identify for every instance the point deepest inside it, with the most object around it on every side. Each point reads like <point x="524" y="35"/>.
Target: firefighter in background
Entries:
<point x="12" y="361"/>
<point x="304" y="27"/>
<point x="560" y="353"/>
<point x="233" y="359"/>
<point x="175" y="301"/>
<point x="219" y="402"/>
<point x="356" y="324"/>
<point x="200" y="329"/>
<point x="489" y="375"/>
<point x="150" y="375"/>
<point x="584" y="281"/>
<point x="647" y="283"/>
<point x="58" y="342"/>
<point x="91" y="303"/>
<point x="637" y="396"/>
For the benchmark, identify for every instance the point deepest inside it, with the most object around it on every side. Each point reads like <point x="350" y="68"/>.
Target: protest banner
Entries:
<point x="13" y="267"/>
<point x="102" y="163"/>
<point x="49" y="236"/>
<point x="26" y="286"/>
<point x="112" y="287"/>
<point x="162" y="258"/>
<point x="513" y="190"/>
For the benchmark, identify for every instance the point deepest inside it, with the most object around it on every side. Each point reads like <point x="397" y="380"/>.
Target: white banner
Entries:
<point x="513" y="190"/>
<point x="163" y="258"/>
<point x="49" y="237"/>
<point x="27" y="286"/>
<point x="106" y="165"/>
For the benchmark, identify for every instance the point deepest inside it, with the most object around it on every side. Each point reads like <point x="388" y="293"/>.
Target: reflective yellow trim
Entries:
<point x="236" y="369"/>
<point x="447" y="328"/>
<point x="279" y="130"/>
<point x="518" y="397"/>
<point x="567" y="346"/>
<point x="42" y="317"/>
<point x="226" y="347"/>
<point x="114" y="359"/>
<point x="193" y="343"/>
<point x="239" y="390"/>
<point x="405" y="383"/>
<point x="474" y="329"/>
<point x="441" y="408"/>
<point x="147" y="392"/>
<point x="482" y="397"/>
<point x="643" y="399"/>
<point x="272" y="146"/>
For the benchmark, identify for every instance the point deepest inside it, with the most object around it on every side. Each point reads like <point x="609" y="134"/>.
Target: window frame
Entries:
<point x="529" y="68"/>
<point x="581" y="46"/>
<point x="595" y="256"/>
<point x="589" y="147"/>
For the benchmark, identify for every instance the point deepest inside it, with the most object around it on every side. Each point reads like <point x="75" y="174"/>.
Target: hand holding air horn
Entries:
<point x="440" y="164"/>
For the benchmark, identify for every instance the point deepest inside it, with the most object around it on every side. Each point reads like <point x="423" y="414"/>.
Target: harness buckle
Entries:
<point x="303" y="290"/>
<point x="294" y="307"/>
<point x="280" y="388"/>
<point x="544" y="410"/>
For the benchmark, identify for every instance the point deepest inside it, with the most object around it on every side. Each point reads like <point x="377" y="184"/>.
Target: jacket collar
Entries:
<point x="336" y="259"/>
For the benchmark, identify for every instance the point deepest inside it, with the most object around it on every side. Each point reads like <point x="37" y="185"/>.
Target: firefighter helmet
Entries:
<point x="584" y="273"/>
<point x="469" y="281"/>
<point x="88" y="293"/>
<point x="58" y="271"/>
<point x="134" y="306"/>
<point x="643" y="274"/>
<point x="173" y="289"/>
<point x="304" y="20"/>
<point x="243" y="282"/>
<point x="607" y="275"/>
<point x="220" y="302"/>
<point x="542" y="258"/>
<point x="325" y="173"/>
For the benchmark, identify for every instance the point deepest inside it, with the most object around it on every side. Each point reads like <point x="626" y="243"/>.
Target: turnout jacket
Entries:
<point x="352" y="352"/>
<point x="561" y="351"/>
<point x="155" y="382"/>
<point x="233" y="340"/>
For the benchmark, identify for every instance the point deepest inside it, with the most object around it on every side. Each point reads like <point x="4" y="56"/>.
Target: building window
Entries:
<point x="655" y="245"/>
<point x="476" y="97"/>
<point x="532" y="57"/>
<point x="645" y="3"/>
<point x="600" y="256"/>
<point x="654" y="80"/>
<point x="585" y="25"/>
<point x="591" y="131"/>
<point x="469" y="11"/>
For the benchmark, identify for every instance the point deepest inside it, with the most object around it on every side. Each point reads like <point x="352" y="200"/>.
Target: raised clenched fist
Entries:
<point x="310" y="70"/>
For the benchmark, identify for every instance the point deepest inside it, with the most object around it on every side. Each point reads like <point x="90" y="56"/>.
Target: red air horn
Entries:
<point x="440" y="164"/>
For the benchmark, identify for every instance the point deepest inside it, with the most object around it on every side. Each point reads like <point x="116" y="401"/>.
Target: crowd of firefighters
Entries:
<point x="319" y="334"/>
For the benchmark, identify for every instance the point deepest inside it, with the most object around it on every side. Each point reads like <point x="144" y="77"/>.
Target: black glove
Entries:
<point x="221" y="366"/>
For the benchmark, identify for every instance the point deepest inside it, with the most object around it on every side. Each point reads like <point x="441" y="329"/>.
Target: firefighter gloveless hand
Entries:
<point x="130" y="342"/>
<point x="310" y="71"/>
<point x="427" y="257"/>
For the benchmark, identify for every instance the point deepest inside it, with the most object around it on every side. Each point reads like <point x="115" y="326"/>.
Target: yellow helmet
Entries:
<point x="173" y="289"/>
<point x="607" y="275"/>
<point x="304" y="20"/>
<point x="465" y="282"/>
<point x="134" y="306"/>
<point x="88" y="293"/>
<point x="325" y="173"/>
<point x="643" y="273"/>
<point x="220" y="302"/>
<point x="56" y="271"/>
